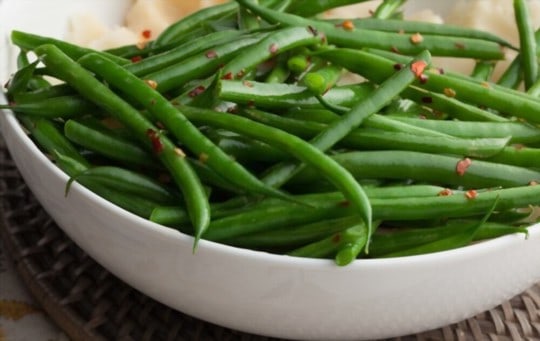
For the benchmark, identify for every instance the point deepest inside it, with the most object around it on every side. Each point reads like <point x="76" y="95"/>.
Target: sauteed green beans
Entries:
<point x="261" y="135"/>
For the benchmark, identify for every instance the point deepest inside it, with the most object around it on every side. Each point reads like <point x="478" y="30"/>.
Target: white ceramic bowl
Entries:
<point x="253" y="291"/>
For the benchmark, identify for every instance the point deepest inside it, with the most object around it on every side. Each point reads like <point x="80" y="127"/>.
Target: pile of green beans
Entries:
<point x="249" y="135"/>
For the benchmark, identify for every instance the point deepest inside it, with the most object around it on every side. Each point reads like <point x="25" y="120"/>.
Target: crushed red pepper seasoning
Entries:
<point x="471" y="194"/>
<point x="157" y="145"/>
<point x="197" y="91"/>
<point x="462" y="166"/>
<point x="445" y="192"/>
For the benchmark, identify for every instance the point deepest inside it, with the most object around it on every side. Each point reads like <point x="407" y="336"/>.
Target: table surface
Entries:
<point x="21" y="317"/>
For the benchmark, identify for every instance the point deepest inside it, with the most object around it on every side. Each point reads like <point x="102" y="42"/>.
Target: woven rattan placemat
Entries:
<point x="89" y="303"/>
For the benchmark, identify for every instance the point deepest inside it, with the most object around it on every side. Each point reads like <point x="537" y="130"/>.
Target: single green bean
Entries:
<point x="527" y="42"/>
<point x="28" y="41"/>
<point x="107" y="143"/>
<point x="54" y="107"/>
<point x="172" y="56"/>
<point x="424" y="28"/>
<point x="175" y="31"/>
<point x="281" y="96"/>
<point x="308" y="8"/>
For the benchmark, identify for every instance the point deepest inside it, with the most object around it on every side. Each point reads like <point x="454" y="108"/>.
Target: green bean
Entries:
<point x="388" y="8"/>
<point x="128" y="182"/>
<point x="244" y="149"/>
<point x="48" y="135"/>
<point x="398" y="137"/>
<point x="328" y="247"/>
<point x="275" y="43"/>
<point x="44" y="93"/>
<point x="483" y="70"/>
<point x="279" y="96"/>
<point x="513" y="75"/>
<point x="54" y="107"/>
<point x="246" y="19"/>
<point x="188" y="49"/>
<point x="488" y="95"/>
<point x="19" y="82"/>
<point x="518" y="132"/>
<point x="28" y="41"/>
<point x="107" y="143"/>
<point x="527" y="42"/>
<point x="424" y="28"/>
<point x="360" y="38"/>
<point x="175" y="31"/>
<point x="376" y="121"/>
<point x="279" y="74"/>
<point x="392" y="87"/>
<point x="138" y="205"/>
<point x="390" y="242"/>
<point x="430" y="168"/>
<point x="101" y="95"/>
<point x="177" y="216"/>
<point x="197" y="66"/>
<point x="322" y="80"/>
<point x="295" y="236"/>
<point x="302" y="151"/>
<point x="308" y="8"/>
<point x="178" y="125"/>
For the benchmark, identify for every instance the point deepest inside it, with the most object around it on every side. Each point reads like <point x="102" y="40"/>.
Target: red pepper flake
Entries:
<point x="241" y="73"/>
<point x="160" y="125"/>
<point x="441" y="71"/>
<point x="6" y="84"/>
<point x="460" y="46"/>
<point x="313" y="30"/>
<point x="471" y="194"/>
<point x="136" y="59"/>
<point x="445" y="192"/>
<point x="518" y="146"/>
<point x="248" y="84"/>
<point x="227" y="76"/>
<point x="348" y="25"/>
<point x="427" y="100"/>
<point x="211" y="54"/>
<point x="533" y="183"/>
<point x="423" y="79"/>
<point x="197" y="91"/>
<point x="371" y="12"/>
<point x="449" y="92"/>
<point x="203" y="157"/>
<point x="251" y="103"/>
<point x="398" y="66"/>
<point x="157" y="145"/>
<point x="485" y="85"/>
<point x="151" y="83"/>
<point x="394" y="49"/>
<point x="344" y="203"/>
<point x="146" y="34"/>
<point x="336" y="238"/>
<point x="417" y="38"/>
<point x="273" y="48"/>
<point x="418" y="67"/>
<point x="462" y="166"/>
